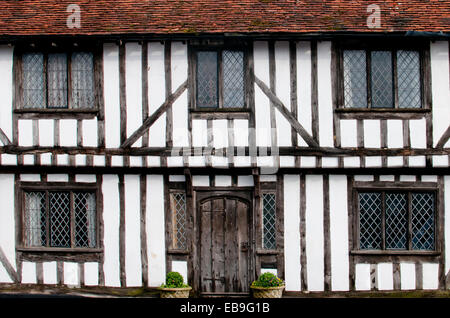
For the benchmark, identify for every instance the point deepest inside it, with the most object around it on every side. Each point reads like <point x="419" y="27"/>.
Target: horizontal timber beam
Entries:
<point x="224" y="152"/>
<point x="34" y="169"/>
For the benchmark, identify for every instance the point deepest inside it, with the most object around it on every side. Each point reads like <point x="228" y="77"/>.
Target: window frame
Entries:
<point x="273" y="192"/>
<point x="48" y="251"/>
<point x="68" y="49"/>
<point x="395" y="187"/>
<point x="173" y="228"/>
<point x="392" y="45"/>
<point x="232" y="112"/>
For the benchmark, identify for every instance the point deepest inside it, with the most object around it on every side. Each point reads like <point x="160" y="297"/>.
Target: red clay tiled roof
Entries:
<point x="36" y="17"/>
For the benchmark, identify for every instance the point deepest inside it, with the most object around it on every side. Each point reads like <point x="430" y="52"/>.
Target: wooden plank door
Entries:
<point x="224" y="246"/>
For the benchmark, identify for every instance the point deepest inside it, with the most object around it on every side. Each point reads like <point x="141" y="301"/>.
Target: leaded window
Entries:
<point x="382" y="79"/>
<point x="60" y="219"/>
<point x="220" y="79"/>
<point x="269" y="221"/>
<point x="390" y="220"/>
<point x="61" y="80"/>
<point x="178" y="213"/>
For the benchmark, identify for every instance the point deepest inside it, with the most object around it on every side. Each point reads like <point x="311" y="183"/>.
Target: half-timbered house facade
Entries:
<point x="223" y="140"/>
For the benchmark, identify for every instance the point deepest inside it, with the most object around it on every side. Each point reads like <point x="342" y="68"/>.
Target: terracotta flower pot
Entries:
<point x="174" y="292"/>
<point x="267" y="292"/>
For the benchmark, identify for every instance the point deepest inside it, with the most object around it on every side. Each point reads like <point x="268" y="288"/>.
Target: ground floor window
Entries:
<point x="59" y="219"/>
<point x="397" y="220"/>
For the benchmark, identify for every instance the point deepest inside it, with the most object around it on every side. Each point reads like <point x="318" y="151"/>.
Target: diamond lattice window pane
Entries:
<point x="381" y="78"/>
<point x="59" y="203"/>
<point x="396" y="220"/>
<point x="408" y="73"/>
<point x="178" y="203"/>
<point x="233" y="78"/>
<point x="269" y="221"/>
<point x="35" y="219"/>
<point x="33" y="80"/>
<point x="355" y="82"/>
<point x="422" y="218"/>
<point x="207" y="86"/>
<point x="82" y="71"/>
<point x="57" y="80"/>
<point x="370" y="220"/>
<point x="85" y="219"/>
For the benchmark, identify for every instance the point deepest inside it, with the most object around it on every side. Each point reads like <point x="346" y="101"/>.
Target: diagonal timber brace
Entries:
<point x="286" y="113"/>
<point x="8" y="267"/>
<point x="443" y="140"/>
<point x="151" y="119"/>
<point x="4" y="139"/>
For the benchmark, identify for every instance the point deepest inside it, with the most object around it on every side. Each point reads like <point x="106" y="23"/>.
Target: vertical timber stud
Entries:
<point x="326" y="233"/>
<point x="123" y="98"/>
<point x="18" y="224"/>
<point x="99" y="78"/>
<point x="143" y="228"/>
<point x="101" y="229"/>
<point x="419" y="275"/>
<point x="335" y="98"/>
<point x="303" y="262"/>
<point x="189" y="224"/>
<point x="350" y="207"/>
<point x="273" y="121"/>
<point x="123" y="278"/>
<point x="315" y="98"/>
<point x="250" y="96"/>
<point x="396" y="275"/>
<point x="145" y="109"/>
<point x="293" y="93"/>
<point x="280" y="225"/>
<point x="168" y="80"/>
<point x="383" y="140"/>
<point x="441" y="231"/>
<point x="167" y="222"/>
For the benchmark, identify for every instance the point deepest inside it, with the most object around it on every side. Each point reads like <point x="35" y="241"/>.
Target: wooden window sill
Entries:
<point x="220" y="113"/>
<point x="55" y="113"/>
<point x="381" y="113"/>
<point x="78" y="250"/>
<point x="394" y="252"/>
<point x="267" y="252"/>
<point x="178" y="252"/>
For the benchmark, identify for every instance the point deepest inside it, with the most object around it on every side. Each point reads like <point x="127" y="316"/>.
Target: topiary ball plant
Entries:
<point x="174" y="287"/>
<point x="268" y="285"/>
<point x="268" y="280"/>
<point x="174" y="280"/>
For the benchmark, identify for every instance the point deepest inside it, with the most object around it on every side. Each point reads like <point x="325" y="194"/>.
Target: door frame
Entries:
<point x="202" y="194"/>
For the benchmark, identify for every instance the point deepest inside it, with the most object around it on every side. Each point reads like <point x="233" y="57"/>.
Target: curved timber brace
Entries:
<point x="8" y="267"/>
<point x="151" y="119"/>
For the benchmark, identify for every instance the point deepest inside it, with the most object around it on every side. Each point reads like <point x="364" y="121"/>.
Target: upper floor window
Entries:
<point x="378" y="77"/>
<point x="220" y="79"/>
<point x="55" y="79"/>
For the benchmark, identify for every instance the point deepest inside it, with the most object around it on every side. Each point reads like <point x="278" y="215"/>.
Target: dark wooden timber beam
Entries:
<point x="242" y="151"/>
<point x="150" y="120"/>
<point x="443" y="140"/>
<point x="287" y="114"/>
